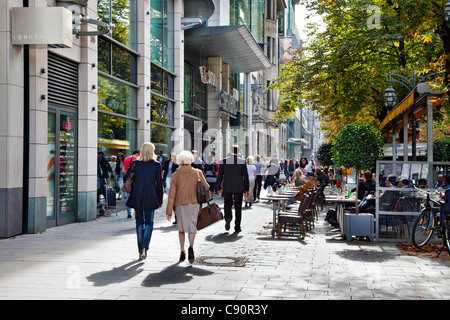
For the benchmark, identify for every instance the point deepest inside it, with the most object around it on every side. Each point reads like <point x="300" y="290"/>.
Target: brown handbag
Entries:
<point x="128" y="184"/>
<point x="209" y="215"/>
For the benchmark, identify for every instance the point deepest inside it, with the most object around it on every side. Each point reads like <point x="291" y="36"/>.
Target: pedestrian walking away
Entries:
<point x="183" y="200"/>
<point x="259" y="178"/>
<point x="146" y="195"/>
<point x="233" y="181"/>
<point x="126" y="164"/>
<point x="251" y="169"/>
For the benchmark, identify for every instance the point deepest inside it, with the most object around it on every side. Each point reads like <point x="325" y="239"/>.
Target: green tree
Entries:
<point x="341" y="70"/>
<point x="325" y="155"/>
<point x="359" y="146"/>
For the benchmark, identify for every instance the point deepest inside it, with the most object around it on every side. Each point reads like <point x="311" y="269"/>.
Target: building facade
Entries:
<point x="181" y="74"/>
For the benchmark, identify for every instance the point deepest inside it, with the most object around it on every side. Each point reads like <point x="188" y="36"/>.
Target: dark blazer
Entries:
<point x="233" y="175"/>
<point x="166" y="168"/>
<point x="147" y="191"/>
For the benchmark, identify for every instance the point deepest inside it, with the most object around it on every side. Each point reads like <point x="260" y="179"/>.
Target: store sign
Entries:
<point x="43" y="25"/>
<point x="207" y="77"/>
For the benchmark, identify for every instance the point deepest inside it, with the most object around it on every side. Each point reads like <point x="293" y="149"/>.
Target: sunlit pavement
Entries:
<point x="99" y="260"/>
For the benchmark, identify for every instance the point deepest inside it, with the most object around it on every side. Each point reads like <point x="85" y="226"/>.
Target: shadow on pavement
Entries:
<point x="174" y="274"/>
<point x="116" y="275"/>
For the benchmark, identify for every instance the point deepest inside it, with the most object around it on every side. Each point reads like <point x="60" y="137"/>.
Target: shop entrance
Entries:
<point x="61" y="167"/>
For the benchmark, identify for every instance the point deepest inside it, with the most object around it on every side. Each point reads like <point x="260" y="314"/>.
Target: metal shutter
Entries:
<point x="62" y="81"/>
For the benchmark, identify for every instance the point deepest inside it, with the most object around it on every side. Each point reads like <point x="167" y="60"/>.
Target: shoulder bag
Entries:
<point x="128" y="184"/>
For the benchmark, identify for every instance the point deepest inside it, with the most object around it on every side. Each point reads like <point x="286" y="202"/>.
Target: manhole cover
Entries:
<point x="222" y="261"/>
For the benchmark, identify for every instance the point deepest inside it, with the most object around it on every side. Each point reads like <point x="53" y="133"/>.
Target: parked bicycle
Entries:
<point x="429" y="221"/>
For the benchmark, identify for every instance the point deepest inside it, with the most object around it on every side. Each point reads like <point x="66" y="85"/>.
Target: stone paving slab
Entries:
<point x="98" y="260"/>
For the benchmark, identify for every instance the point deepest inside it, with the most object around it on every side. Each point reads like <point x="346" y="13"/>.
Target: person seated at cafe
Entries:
<point x="310" y="183"/>
<point x="403" y="183"/>
<point x="322" y="179"/>
<point x="367" y="186"/>
<point x="299" y="179"/>
<point x="440" y="181"/>
<point x="422" y="183"/>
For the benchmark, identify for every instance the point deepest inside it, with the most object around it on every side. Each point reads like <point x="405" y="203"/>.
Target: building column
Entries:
<point x="178" y="135"/>
<point x="38" y="141"/>
<point x="143" y="76"/>
<point x="87" y="123"/>
<point x="214" y="115"/>
<point x="11" y="126"/>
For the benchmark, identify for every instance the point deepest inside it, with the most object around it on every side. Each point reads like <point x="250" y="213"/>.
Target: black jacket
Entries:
<point x="147" y="191"/>
<point x="166" y="168"/>
<point x="103" y="168"/>
<point x="233" y="175"/>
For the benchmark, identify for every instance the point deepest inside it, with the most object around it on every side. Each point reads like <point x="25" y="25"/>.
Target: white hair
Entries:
<point x="185" y="157"/>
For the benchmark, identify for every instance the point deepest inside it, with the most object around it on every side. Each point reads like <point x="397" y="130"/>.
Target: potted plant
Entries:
<point x="358" y="145"/>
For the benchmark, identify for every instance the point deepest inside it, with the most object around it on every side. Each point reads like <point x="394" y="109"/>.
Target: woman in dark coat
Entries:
<point x="146" y="194"/>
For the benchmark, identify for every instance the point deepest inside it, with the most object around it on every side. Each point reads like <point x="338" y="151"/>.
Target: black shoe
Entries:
<point x="191" y="255"/>
<point x="237" y="229"/>
<point x="182" y="256"/>
<point x="227" y="225"/>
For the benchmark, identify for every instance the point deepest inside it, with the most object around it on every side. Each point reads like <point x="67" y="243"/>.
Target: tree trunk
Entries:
<point x="357" y="187"/>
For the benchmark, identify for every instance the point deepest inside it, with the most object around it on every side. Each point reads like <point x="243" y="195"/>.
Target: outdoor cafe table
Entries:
<point x="277" y="198"/>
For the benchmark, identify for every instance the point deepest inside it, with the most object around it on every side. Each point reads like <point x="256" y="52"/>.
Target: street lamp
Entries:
<point x="447" y="12"/>
<point x="389" y="98"/>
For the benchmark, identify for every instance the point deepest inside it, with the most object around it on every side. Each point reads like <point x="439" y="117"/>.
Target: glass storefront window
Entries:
<point x="195" y="96"/>
<point x="249" y="13"/>
<point x="123" y="15"/>
<point x="116" y="134"/>
<point x="115" y="97"/>
<point x="116" y="61"/>
<point x="161" y="82"/>
<point x="161" y="137"/>
<point x="161" y="33"/>
<point x="162" y="111"/>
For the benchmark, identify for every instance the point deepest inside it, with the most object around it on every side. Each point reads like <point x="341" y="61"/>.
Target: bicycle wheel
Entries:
<point x="446" y="235"/>
<point x="423" y="229"/>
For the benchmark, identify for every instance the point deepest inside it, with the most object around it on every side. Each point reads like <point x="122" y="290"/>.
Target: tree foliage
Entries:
<point x="341" y="70"/>
<point x="359" y="145"/>
<point x="325" y="155"/>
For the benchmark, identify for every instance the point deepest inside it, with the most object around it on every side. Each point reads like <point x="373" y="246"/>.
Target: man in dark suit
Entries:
<point x="232" y="180"/>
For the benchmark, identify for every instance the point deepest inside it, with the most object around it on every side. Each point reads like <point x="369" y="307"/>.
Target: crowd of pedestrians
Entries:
<point x="238" y="180"/>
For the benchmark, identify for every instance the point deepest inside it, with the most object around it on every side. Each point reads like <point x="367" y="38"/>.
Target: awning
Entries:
<point x="202" y="9"/>
<point x="235" y="44"/>
<point x="413" y="104"/>
<point x="297" y="141"/>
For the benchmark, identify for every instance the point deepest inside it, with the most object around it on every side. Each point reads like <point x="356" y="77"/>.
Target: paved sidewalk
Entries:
<point x="98" y="260"/>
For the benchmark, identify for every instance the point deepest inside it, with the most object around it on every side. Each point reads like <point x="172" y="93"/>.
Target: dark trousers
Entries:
<point x="257" y="188"/>
<point x="236" y="199"/>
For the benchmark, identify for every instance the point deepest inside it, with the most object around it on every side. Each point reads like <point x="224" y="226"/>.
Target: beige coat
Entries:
<point x="183" y="187"/>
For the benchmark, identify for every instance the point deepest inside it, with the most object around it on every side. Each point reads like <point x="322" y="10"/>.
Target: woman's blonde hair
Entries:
<point x="185" y="157"/>
<point x="249" y="160"/>
<point x="147" y="152"/>
<point x="298" y="174"/>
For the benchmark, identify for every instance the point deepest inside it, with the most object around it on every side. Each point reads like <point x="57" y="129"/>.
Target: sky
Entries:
<point x="300" y="18"/>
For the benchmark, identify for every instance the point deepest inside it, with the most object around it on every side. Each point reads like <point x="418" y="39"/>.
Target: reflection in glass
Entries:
<point x="116" y="97"/>
<point x="115" y="134"/>
<point x="51" y="174"/>
<point x="161" y="138"/>
<point x="67" y="150"/>
<point x="161" y="33"/>
<point x="195" y="97"/>
<point x="123" y="15"/>
<point x="161" y="111"/>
